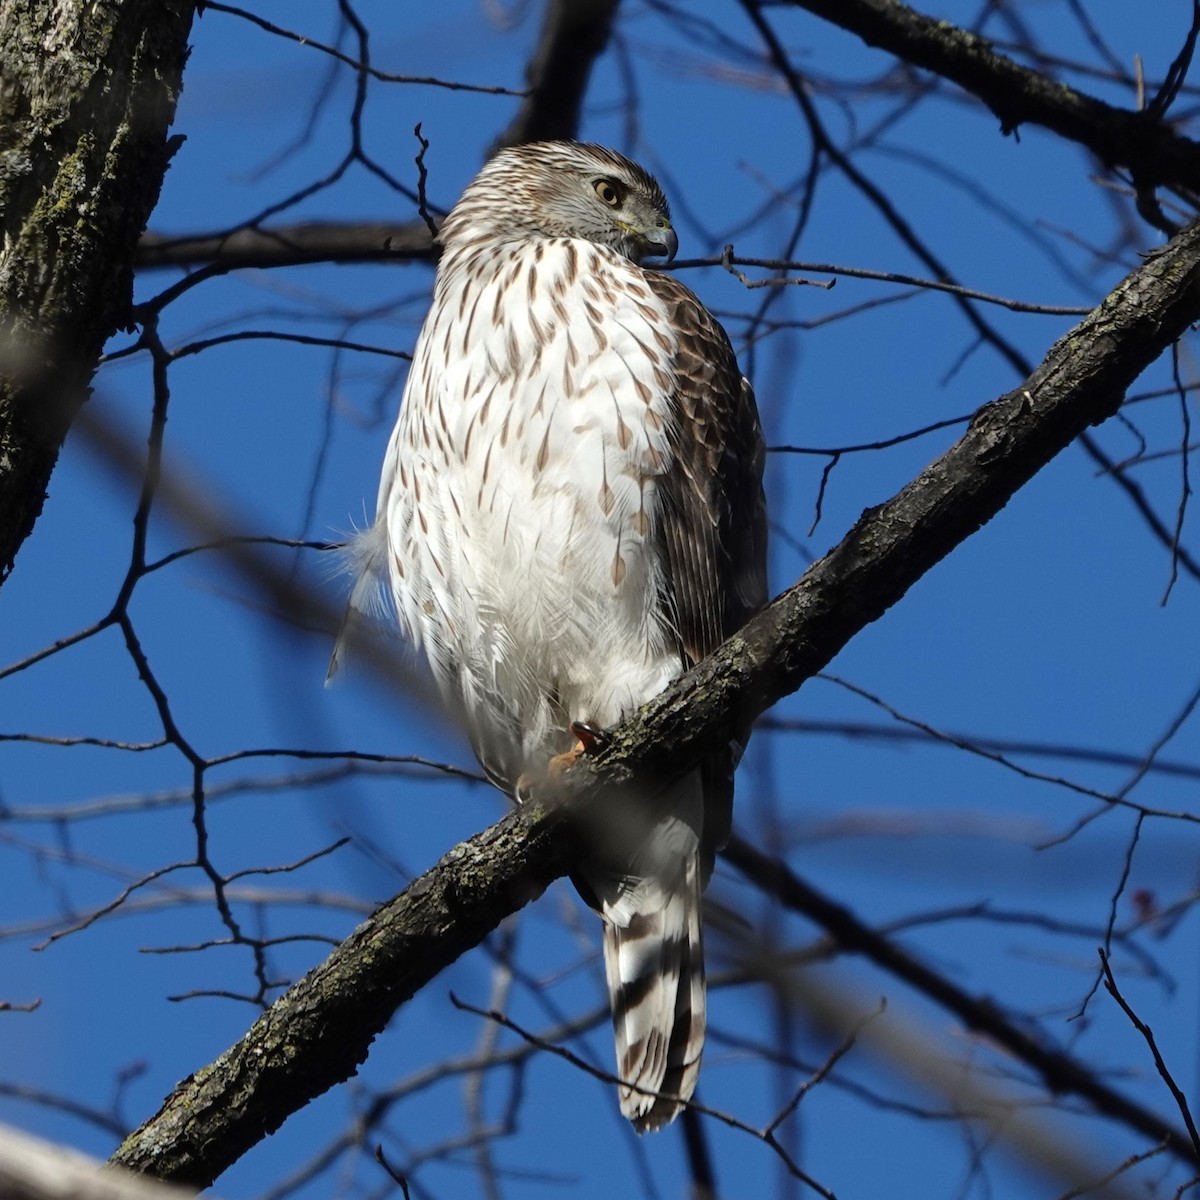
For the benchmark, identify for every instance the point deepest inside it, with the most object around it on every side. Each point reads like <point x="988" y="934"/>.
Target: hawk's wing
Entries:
<point x="713" y="519"/>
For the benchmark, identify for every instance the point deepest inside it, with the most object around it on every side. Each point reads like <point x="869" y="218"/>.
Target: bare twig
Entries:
<point x="1110" y="985"/>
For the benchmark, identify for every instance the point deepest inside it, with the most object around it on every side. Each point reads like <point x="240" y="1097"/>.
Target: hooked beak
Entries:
<point x="661" y="243"/>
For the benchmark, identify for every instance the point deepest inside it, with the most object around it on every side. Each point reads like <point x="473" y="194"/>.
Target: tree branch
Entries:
<point x="319" y="1032"/>
<point x="316" y="1035"/>
<point x="1061" y="1073"/>
<point x="1151" y="151"/>
<point x="290" y="245"/>
<point x="574" y="34"/>
<point x="33" y="1169"/>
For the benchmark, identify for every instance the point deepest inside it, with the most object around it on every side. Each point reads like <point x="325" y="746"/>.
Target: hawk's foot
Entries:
<point x="567" y="759"/>
<point x="528" y="780"/>
<point x="589" y="739"/>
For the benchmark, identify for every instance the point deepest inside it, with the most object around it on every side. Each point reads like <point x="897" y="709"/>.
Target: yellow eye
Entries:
<point x="609" y="191"/>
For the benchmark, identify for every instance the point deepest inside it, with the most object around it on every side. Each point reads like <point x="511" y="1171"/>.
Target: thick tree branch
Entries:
<point x="319" y="1031"/>
<point x="87" y="93"/>
<point x="1080" y="382"/>
<point x="1149" y="149"/>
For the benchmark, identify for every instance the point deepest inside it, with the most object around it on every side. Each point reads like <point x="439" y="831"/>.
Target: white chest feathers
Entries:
<point x="523" y="488"/>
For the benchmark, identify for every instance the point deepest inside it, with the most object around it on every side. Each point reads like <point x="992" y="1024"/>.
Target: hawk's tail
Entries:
<point x="655" y="965"/>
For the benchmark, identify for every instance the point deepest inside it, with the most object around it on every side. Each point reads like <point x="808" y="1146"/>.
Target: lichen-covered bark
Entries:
<point x="319" y="1032"/>
<point x="87" y="94"/>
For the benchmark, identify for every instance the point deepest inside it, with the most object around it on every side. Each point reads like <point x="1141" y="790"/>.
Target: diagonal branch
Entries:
<point x="1119" y="137"/>
<point x="1061" y="1073"/>
<point x="318" y="1033"/>
<point x="34" y="1169"/>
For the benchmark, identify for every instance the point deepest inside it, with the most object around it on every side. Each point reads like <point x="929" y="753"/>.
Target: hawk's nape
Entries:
<point x="571" y="513"/>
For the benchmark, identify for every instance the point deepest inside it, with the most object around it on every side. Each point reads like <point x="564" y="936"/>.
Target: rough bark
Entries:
<point x="87" y="94"/>
<point x="319" y="1031"/>
<point x="1079" y="383"/>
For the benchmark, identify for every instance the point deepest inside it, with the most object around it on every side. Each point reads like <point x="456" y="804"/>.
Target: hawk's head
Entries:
<point x="564" y="189"/>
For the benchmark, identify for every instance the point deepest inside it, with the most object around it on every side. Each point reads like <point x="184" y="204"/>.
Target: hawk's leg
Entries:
<point x="589" y="739"/>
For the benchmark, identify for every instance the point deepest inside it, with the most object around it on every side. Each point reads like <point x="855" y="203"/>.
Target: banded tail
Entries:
<point x="654" y="959"/>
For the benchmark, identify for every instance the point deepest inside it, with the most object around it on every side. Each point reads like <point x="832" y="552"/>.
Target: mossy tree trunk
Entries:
<point x="87" y="95"/>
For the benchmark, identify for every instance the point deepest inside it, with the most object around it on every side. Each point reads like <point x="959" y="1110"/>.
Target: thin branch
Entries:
<point x="728" y="261"/>
<point x="348" y="60"/>
<point x="766" y="1134"/>
<point x="1110" y="985"/>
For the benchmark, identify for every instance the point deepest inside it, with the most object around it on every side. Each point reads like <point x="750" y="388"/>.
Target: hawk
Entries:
<point x="570" y="514"/>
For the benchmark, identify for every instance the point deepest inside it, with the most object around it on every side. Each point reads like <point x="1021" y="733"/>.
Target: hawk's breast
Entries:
<point x="522" y="519"/>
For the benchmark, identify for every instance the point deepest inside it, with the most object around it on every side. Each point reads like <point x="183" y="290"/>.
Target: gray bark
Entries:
<point x="87" y="93"/>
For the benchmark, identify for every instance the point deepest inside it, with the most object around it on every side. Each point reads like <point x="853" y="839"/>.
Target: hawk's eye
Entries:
<point x="610" y="192"/>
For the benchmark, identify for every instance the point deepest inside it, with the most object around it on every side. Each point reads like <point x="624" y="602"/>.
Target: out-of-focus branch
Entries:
<point x="318" y="1032"/>
<point x="1142" y="143"/>
<point x="1060" y="1072"/>
<point x="87" y="98"/>
<point x="291" y="245"/>
<point x="33" y="1169"/>
<point x="574" y="34"/>
<point x="1033" y="1138"/>
<point x="192" y="505"/>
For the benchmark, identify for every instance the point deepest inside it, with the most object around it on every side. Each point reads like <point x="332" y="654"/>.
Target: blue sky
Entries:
<point x="1047" y="626"/>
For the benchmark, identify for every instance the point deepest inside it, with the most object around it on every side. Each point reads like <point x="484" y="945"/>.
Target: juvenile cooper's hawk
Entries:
<point x="570" y="514"/>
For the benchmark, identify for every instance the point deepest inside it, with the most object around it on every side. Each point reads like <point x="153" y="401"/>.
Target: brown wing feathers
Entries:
<point x="716" y="560"/>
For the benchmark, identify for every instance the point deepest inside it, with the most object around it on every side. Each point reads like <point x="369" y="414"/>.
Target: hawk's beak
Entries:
<point x="661" y="243"/>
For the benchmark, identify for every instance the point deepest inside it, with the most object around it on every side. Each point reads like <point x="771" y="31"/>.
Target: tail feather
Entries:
<point x="654" y="960"/>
